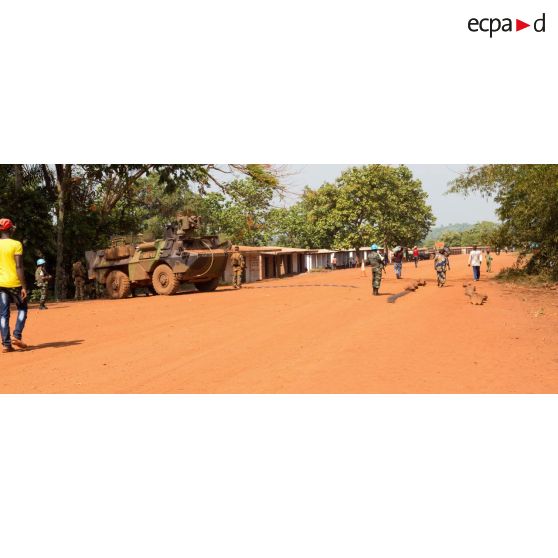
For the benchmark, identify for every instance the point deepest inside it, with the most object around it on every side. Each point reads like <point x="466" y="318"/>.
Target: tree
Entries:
<point x="451" y="238"/>
<point x="84" y="205"/>
<point x="239" y="215"/>
<point x="482" y="233"/>
<point x="27" y="202"/>
<point x="527" y="197"/>
<point x="116" y="189"/>
<point x="372" y="203"/>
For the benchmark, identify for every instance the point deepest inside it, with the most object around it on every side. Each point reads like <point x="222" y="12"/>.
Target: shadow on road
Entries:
<point x="55" y="344"/>
<point x="52" y="306"/>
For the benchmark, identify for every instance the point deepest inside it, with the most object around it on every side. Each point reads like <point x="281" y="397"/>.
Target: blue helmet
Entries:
<point x="40" y="261"/>
<point x="374" y="247"/>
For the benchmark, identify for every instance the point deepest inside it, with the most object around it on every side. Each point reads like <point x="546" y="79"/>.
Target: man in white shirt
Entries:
<point x="475" y="260"/>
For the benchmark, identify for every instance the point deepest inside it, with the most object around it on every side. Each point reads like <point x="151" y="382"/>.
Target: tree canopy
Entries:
<point x="527" y="197"/>
<point x="483" y="233"/>
<point x="372" y="203"/>
<point x="62" y="210"/>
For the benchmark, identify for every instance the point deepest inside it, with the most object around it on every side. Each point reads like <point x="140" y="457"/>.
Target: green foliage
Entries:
<point x="520" y="273"/>
<point x="238" y="214"/>
<point x="290" y="226"/>
<point x="436" y="232"/>
<point x="63" y="210"/>
<point x="244" y="211"/>
<point x="372" y="203"/>
<point x="29" y="206"/>
<point x="528" y="208"/>
<point x="483" y="233"/>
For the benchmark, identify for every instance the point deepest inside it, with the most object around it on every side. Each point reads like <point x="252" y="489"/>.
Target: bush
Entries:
<point x="525" y="274"/>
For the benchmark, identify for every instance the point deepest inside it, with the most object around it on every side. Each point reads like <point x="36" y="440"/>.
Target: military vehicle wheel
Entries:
<point x="118" y="285"/>
<point x="207" y="286"/>
<point x="164" y="280"/>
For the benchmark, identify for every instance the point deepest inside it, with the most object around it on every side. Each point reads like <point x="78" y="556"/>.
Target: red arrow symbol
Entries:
<point x="519" y="25"/>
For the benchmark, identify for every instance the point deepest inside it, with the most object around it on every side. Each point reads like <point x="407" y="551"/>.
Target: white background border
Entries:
<point x="294" y="82"/>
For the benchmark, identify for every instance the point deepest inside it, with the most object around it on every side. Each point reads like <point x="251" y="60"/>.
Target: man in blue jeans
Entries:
<point x="475" y="260"/>
<point x="12" y="287"/>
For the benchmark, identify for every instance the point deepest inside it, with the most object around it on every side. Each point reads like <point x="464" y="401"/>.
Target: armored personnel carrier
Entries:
<point x="162" y="265"/>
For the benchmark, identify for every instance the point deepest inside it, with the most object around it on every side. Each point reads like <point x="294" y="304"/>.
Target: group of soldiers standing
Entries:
<point x="42" y="278"/>
<point x="79" y="277"/>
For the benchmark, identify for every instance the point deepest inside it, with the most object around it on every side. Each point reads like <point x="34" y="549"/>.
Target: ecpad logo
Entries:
<point x="493" y="25"/>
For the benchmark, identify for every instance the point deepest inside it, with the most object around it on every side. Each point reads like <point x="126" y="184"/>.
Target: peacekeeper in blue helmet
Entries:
<point x="41" y="280"/>
<point x="377" y="264"/>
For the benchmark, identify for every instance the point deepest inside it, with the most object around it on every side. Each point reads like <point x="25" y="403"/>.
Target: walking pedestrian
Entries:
<point x="78" y="275"/>
<point x="475" y="260"/>
<point x="41" y="280"/>
<point x="334" y="262"/>
<point x="489" y="259"/>
<point x="447" y="252"/>
<point x="377" y="266"/>
<point x="440" y="264"/>
<point x="237" y="263"/>
<point x="415" y="255"/>
<point x="398" y="261"/>
<point x="12" y="287"/>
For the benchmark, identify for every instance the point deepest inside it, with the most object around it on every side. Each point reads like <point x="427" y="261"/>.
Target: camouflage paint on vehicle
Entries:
<point x="163" y="264"/>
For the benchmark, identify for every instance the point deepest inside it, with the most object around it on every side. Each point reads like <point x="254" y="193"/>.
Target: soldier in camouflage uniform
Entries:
<point x="237" y="263"/>
<point x="78" y="274"/>
<point x="377" y="264"/>
<point x="41" y="280"/>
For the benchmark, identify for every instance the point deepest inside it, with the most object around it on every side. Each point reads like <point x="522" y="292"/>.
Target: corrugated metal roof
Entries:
<point x="273" y="249"/>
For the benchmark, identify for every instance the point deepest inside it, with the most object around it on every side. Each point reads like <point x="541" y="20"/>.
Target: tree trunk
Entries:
<point x="47" y="177"/>
<point x="386" y="249"/>
<point x="63" y="174"/>
<point x="18" y="171"/>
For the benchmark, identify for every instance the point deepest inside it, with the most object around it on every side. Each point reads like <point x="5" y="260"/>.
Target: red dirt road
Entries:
<point x="313" y="333"/>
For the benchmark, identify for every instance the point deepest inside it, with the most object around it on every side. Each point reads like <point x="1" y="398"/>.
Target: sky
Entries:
<point x="450" y="208"/>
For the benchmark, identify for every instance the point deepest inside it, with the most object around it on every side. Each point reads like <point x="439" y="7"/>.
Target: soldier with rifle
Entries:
<point x="377" y="264"/>
<point x="41" y="280"/>
<point x="78" y="275"/>
<point x="237" y="264"/>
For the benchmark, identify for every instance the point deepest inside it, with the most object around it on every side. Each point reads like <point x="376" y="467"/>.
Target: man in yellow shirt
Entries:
<point x="12" y="287"/>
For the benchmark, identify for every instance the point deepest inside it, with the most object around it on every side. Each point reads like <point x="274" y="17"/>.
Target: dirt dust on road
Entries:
<point x="313" y="333"/>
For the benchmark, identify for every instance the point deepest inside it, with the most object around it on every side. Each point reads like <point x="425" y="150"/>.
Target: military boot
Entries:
<point x="375" y="291"/>
<point x="43" y="306"/>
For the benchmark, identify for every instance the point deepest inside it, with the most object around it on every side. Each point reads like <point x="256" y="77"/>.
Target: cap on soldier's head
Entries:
<point x="40" y="261"/>
<point x="235" y="247"/>
<point x="374" y="247"/>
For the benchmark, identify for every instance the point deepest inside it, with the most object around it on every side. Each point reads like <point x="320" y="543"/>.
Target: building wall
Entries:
<point x="252" y="270"/>
<point x="278" y="265"/>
